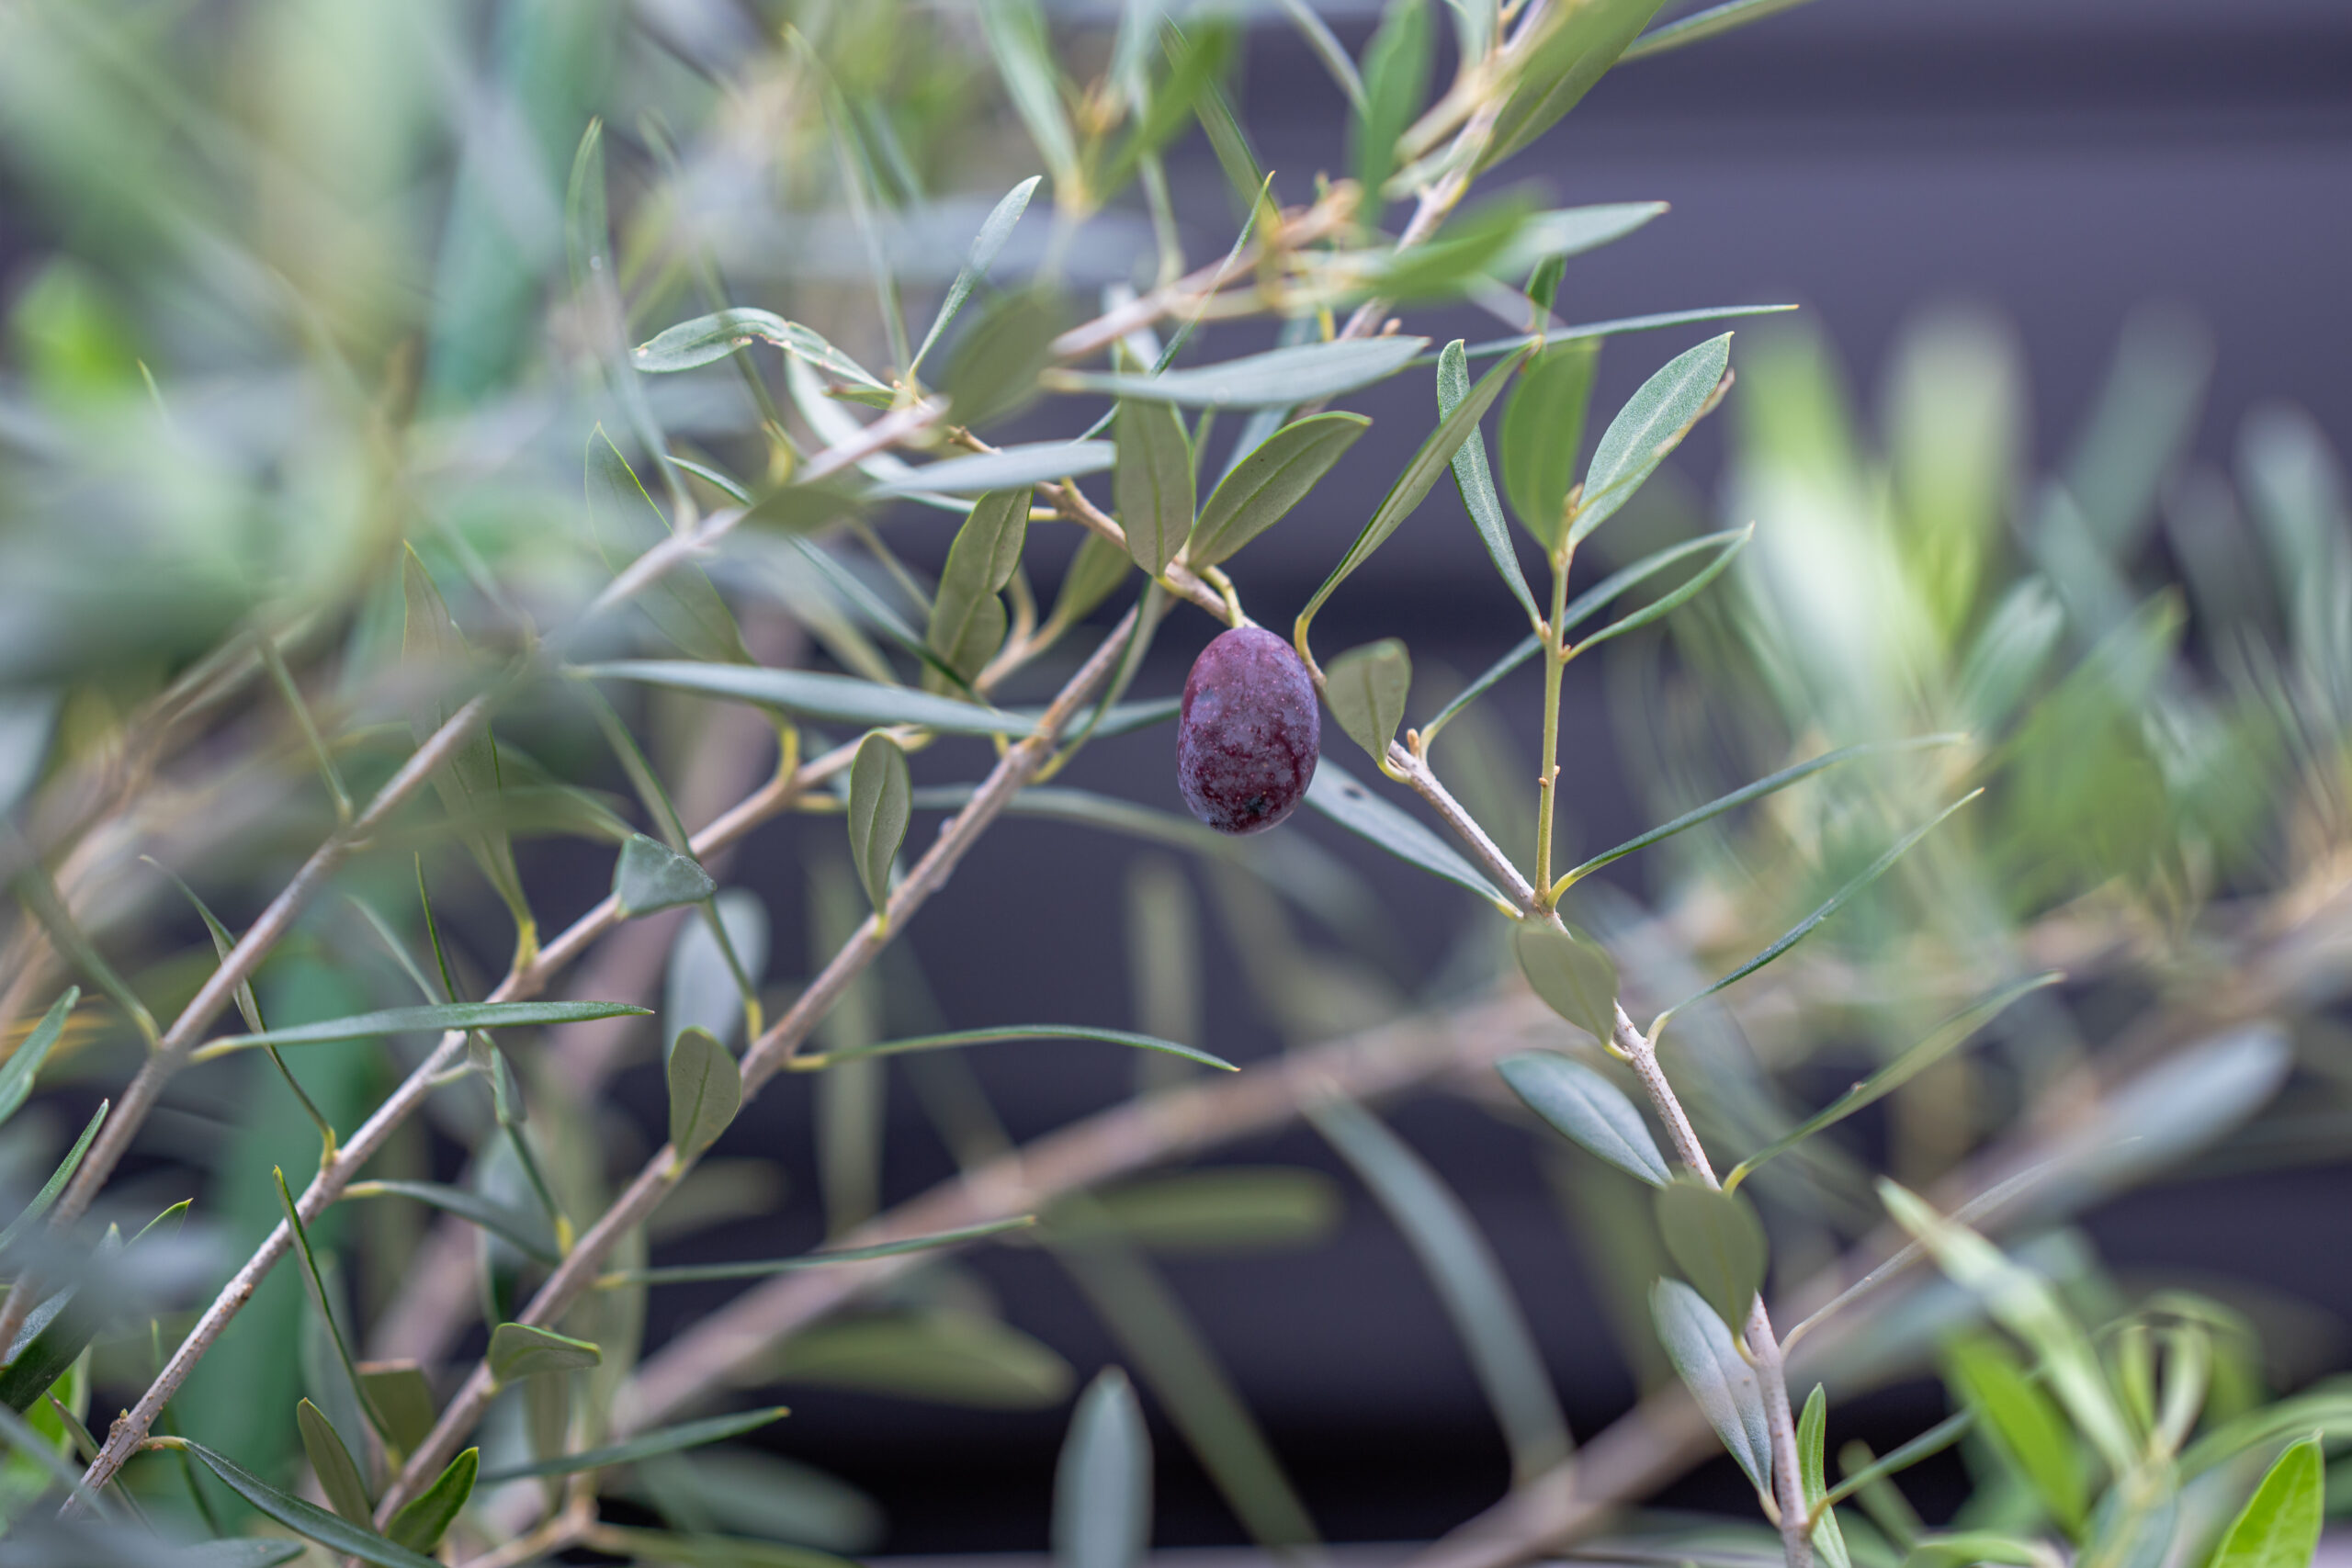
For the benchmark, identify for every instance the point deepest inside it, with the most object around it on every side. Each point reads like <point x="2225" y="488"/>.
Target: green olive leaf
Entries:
<point x="1718" y="1376"/>
<point x="332" y="1462"/>
<point x="1280" y="377"/>
<point x="994" y="370"/>
<point x="1651" y="425"/>
<point x="421" y="1524"/>
<point x="706" y="1090"/>
<point x="2279" y="1526"/>
<point x="880" y="800"/>
<point x="517" y="1351"/>
<point x="651" y="875"/>
<point x="1273" y="478"/>
<point x="1716" y="1240"/>
<point x="1103" y="1482"/>
<point x="1366" y="688"/>
<point x="402" y="1395"/>
<point x="968" y="620"/>
<point x="1476" y="485"/>
<point x="1543" y="432"/>
<point x="1573" y="974"/>
<point x="1153" y="482"/>
<point x="1588" y="1111"/>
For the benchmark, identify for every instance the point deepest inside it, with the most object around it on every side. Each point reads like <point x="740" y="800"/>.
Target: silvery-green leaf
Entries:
<point x="1356" y="809"/>
<point x="763" y="1268"/>
<point x="879" y="806"/>
<point x="708" y="339"/>
<point x="1588" y="1110"/>
<point x="812" y="693"/>
<point x="1718" y="1376"/>
<point x="1573" y="974"/>
<point x="401" y="1393"/>
<point x="1705" y="23"/>
<point x="1543" y="432"/>
<point x="1095" y="572"/>
<point x="625" y="522"/>
<point x="517" y="1351"/>
<point x="1153" y="483"/>
<point x="435" y="1018"/>
<point x="1274" y="477"/>
<point x="705" y="1091"/>
<point x="24" y="1063"/>
<point x="1366" y="688"/>
<point x="1476" y="485"/>
<point x="305" y="1519"/>
<point x="960" y="1037"/>
<point x="1651" y="425"/>
<point x="985" y="246"/>
<point x="1008" y="468"/>
<point x="994" y="370"/>
<point x="968" y="620"/>
<point x="699" y="989"/>
<point x="1676" y="597"/>
<point x="1396" y="83"/>
<point x="1103" y="1482"/>
<point x="1280" y="377"/>
<point x="1570" y="232"/>
<point x="1015" y="31"/>
<point x="525" y="1232"/>
<point x="651" y="875"/>
<point x="1716" y="1240"/>
<point x="1813" y="1436"/>
<point x="1576" y="46"/>
<point x="427" y="1517"/>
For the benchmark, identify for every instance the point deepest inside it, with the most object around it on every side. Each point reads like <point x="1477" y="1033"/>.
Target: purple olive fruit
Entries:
<point x="1246" y="736"/>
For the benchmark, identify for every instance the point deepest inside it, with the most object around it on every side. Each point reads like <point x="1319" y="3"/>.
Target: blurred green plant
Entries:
<point x="312" y="600"/>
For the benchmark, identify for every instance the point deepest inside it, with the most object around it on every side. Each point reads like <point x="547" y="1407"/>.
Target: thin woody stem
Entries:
<point x="769" y="1054"/>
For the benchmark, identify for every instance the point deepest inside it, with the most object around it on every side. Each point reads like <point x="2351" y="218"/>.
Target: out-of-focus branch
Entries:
<point x="770" y="1052"/>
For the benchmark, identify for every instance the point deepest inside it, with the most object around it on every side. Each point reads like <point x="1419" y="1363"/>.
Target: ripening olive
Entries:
<point x="1245" y="738"/>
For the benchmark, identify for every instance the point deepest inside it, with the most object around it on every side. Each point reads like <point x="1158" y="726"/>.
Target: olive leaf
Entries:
<point x="2279" y="1526"/>
<point x="402" y="1395"/>
<point x="1716" y="1240"/>
<point x="1008" y="468"/>
<point x="438" y="1018"/>
<point x="427" y="1517"/>
<point x="708" y="339"/>
<point x="813" y="694"/>
<point x="1543" y="432"/>
<point x="646" y="1445"/>
<point x="24" y="1063"/>
<point x="1812" y="1437"/>
<point x="993" y="233"/>
<point x="332" y="1462"/>
<point x="1588" y="1110"/>
<point x="879" y="806"/>
<point x="1396" y="83"/>
<point x="517" y="1351"/>
<point x="1573" y="974"/>
<point x="1103" y="1481"/>
<point x="1265" y="485"/>
<point x="306" y="1519"/>
<point x="1651" y="425"/>
<point x="2024" y="1423"/>
<point x="1718" y="1376"/>
<point x="705" y="1091"/>
<point x="1094" y="574"/>
<point x="1280" y="377"/>
<point x="994" y="370"/>
<point x="624" y="523"/>
<point x="1366" y="688"/>
<point x="1354" y="807"/>
<point x="1476" y="485"/>
<point x="1153" y="483"/>
<point x="650" y="875"/>
<point x="967" y="619"/>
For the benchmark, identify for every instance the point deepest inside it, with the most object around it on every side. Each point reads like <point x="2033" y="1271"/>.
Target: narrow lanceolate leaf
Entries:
<point x="1718" y="1376"/>
<point x="1435" y="455"/>
<point x="1012" y="1032"/>
<point x="763" y="1268"/>
<point x="24" y="1063"/>
<point x="977" y="262"/>
<point x="2024" y="1425"/>
<point x="321" y="1302"/>
<point x="1939" y="1043"/>
<point x="1356" y="809"/>
<point x="1651" y="425"/>
<point x="1094" y="574"/>
<point x="879" y="806"/>
<point x="651" y="875"/>
<point x="2280" y="1527"/>
<point x="1476" y="485"/>
<point x="1103" y="1482"/>
<point x="1153" y="483"/>
<point x="427" y="1517"/>
<point x="1812" y="1437"/>
<point x="47" y="1196"/>
<point x="1265" y="485"/>
<point x="1396" y="81"/>
<point x="708" y="339"/>
<point x="625" y="522"/>
<point x="1462" y="1269"/>
<point x="1674" y="599"/>
<point x="1015" y="30"/>
<point x="1588" y="1110"/>
<point x="1280" y="377"/>
<point x="1573" y="974"/>
<point x="1543" y="430"/>
<point x="527" y="1233"/>
<point x="995" y="368"/>
<point x="1771" y="785"/>
<point x="517" y="1351"/>
<point x="1716" y="1240"/>
<point x="811" y="694"/>
<point x="1549" y="237"/>
<point x="332" y="1462"/>
<point x="663" y="1441"/>
<point x="1706" y="24"/>
<point x="705" y="1091"/>
<point x="305" y="1519"/>
<point x="1577" y="47"/>
<point x="1008" y="468"/>
<point x="1366" y="688"/>
<point x="967" y="621"/>
<point x="436" y="1019"/>
<point x="1835" y="902"/>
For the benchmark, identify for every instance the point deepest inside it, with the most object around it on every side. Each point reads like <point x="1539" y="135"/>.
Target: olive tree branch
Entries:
<point x="771" y="1051"/>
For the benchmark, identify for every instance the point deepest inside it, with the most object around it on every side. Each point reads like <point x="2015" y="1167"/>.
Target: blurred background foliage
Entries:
<point x="289" y="290"/>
